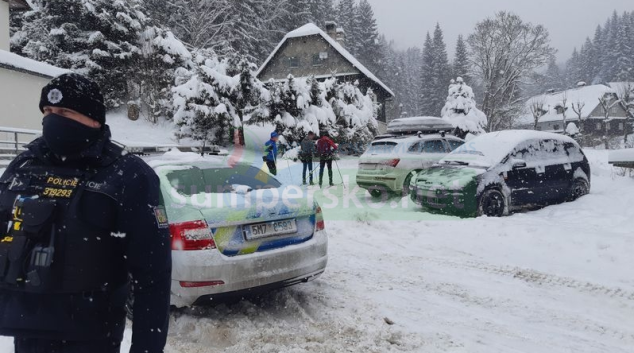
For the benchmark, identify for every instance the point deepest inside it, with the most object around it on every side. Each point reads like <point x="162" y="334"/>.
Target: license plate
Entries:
<point x="269" y="229"/>
<point x="368" y="166"/>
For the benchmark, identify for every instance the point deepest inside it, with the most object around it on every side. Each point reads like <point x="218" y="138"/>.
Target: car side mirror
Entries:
<point x="519" y="164"/>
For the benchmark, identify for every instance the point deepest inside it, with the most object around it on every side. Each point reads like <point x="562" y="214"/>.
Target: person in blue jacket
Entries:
<point x="270" y="153"/>
<point x="78" y="219"/>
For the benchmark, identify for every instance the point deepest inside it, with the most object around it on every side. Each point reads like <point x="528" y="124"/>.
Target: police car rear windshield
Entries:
<point x="220" y="180"/>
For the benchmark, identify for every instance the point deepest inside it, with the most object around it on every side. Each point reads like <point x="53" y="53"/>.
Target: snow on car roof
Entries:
<point x="421" y="123"/>
<point x="176" y="158"/>
<point x="413" y="138"/>
<point x="489" y="149"/>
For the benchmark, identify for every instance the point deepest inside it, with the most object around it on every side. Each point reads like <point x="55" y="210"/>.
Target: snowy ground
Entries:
<point x="399" y="280"/>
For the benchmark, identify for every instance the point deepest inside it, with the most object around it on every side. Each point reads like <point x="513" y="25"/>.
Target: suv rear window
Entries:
<point x="434" y="146"/>
<point x="382" y="147"/>
<point x="453" y="144"/>
<point x="193" y="181"/>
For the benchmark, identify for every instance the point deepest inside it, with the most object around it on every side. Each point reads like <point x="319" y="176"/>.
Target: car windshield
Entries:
<point x="239" y="179"/>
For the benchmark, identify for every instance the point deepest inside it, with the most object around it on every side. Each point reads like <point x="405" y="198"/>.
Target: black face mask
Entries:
<point x="67" y="137"/>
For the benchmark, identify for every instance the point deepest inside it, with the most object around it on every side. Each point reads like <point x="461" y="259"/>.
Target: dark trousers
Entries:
<point x="32" y="345"/>
<point x="322" y="163"/>
<point x="308" y="165"/>
<point x="272" y="167"/>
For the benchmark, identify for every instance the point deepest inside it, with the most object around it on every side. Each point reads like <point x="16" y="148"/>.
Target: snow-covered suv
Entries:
<point x="389" y="163"/>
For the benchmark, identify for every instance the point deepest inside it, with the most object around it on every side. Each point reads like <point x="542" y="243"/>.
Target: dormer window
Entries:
<point x="560" y="109"/>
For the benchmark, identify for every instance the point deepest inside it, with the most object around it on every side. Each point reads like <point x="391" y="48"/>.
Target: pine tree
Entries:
<point x="369" y="51"/>
<point x="461" y="64"/>
<point x="321" y="11"/>
<point x="554" y="77"/>
<point x="624" y="64"/>
<point x="348" y="19"/>
<point x="428" y="90"/>
<point x="461" y="111"/>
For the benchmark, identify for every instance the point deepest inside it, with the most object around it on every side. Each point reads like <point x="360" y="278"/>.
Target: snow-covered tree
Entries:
<point x="461" y="65"/>
<point x="204" y="110"/>
<point x="504" y="50"/>
<point x="150" y="87"/>
<point x="369" y="51"/>
<point x="461" y="111"/>
<point x="97" y="38"/>
<point x="436" y="73"/>
<point x="348" y="19"/>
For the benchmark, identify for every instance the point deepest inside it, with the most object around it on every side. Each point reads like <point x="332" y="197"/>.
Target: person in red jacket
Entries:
<point x="326" y="151"/>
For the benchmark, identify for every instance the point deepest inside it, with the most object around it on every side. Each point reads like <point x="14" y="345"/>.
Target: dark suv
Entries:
<point x="497" y="173"/>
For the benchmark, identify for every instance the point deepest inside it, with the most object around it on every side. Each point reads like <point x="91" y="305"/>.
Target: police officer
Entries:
<point x="78" y="217"/>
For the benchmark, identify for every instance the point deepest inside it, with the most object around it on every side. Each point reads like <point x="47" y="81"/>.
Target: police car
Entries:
<point x="235" y="229"/>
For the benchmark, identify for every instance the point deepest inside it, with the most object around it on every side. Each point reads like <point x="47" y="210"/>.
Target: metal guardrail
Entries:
<point x="12" y="141"/>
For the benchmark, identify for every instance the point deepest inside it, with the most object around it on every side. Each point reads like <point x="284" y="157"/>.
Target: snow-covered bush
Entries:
<point x="461" y="111"/>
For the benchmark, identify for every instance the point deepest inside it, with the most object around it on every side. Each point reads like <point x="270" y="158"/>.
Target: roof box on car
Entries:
<point x="425" y="125"/>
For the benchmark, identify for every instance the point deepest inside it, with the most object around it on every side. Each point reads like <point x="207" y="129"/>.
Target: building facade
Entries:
<point x="21" y="79"/>
<point x="309" y="51"/>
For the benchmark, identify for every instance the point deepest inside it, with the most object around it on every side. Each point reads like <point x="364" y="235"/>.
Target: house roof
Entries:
<point x="19" y="63"/>
<point x="587" y="95"/>
<point x="311" y="30"/>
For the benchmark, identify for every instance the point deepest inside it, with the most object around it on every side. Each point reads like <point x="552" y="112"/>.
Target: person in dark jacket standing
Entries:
<point x="270" y="153"/>
<point x="326" y="149"/>
<point x="306" y="156"/>
<point x="78" y="217"/>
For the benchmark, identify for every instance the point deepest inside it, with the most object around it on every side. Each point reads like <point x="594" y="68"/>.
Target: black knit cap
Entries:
<point x="76" y="92"/>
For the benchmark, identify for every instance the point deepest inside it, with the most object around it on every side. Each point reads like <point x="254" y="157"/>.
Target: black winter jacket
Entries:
<point x="109" y="225"/>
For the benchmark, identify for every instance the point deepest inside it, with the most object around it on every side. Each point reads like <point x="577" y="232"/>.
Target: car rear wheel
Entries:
<point x="379" y="193"/>
<point x="408" y="180"/>
<point x="492" y="204"/>
<point x="579" y="188"/>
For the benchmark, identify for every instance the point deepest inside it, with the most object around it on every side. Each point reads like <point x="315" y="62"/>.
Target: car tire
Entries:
<point x="407" y="181"/>
<point x="579" y="188"/>
<point x="492" y="203"/>
<point x="379" y="193"/>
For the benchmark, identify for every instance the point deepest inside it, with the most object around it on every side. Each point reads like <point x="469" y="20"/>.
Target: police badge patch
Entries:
<point x="161" y="217"/>
<point x="55" y="96"/>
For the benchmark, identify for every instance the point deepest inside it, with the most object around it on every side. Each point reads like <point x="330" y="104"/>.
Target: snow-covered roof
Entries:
<point x="487" y="150"/>
<point x="588" y="96"/>
<point x="311" y="30"/>
<point x="19" y="63"/>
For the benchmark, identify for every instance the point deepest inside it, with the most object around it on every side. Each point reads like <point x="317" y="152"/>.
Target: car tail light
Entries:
<point x="392" y="162"/>
<point x="194" y="235"/>
<point x="319" y="218"/>
<point x="188" y="284"/>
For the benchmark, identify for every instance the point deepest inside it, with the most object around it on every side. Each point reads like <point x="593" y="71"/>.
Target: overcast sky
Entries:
<point x="568" y="21"/>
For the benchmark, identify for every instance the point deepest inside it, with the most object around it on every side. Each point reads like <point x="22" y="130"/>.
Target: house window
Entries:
<point x="293" y="62"/>
<point x="539" y="128"/>
<point x="555" y="127"/>
<point x="318" y="59"/>
<point x="621" y="126"/>
<point x="598" y="126"/>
